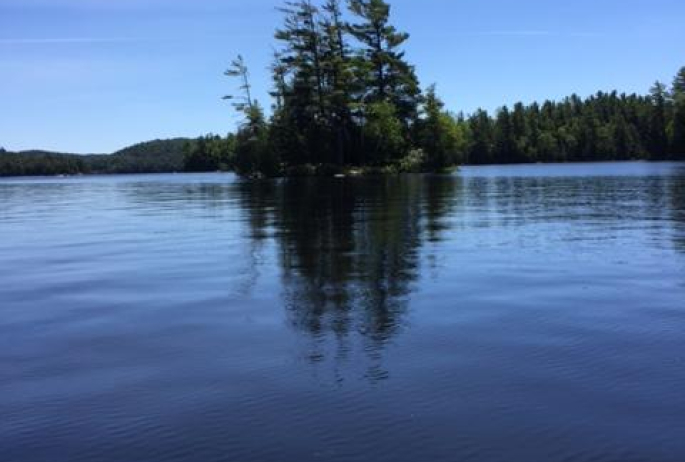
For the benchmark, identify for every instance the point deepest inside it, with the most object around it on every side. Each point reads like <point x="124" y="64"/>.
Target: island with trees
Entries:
<point x="347" y="101"/>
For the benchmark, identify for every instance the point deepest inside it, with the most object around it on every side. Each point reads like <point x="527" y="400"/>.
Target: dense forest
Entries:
<point x="346" y="99"/>
<point x="157" y="156"/>
<point x="603" y="127"/>
<point x="344" y="95"/>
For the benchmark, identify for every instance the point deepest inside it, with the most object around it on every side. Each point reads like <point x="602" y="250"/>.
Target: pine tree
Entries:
<point x="481" y="148"/>
<point x="302" y="80"/>
<point x="339" y="74"/>
<point x="242" y="102"/>
<point x="381" y="64"/>
<point x="521" y="134"/>
<point x="678" y="138"/>
<point x="658" y="140"/>
<point x="505" y="143"/>
<point x="383" y="134"/>
<point x="439" y="135"/>
<point x="679" y="83"/>
<point x="678" y="123"/>
<point x="253" y="155"/>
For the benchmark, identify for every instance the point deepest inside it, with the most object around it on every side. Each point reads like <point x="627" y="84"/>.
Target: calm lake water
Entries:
<point x="527" y="313"/>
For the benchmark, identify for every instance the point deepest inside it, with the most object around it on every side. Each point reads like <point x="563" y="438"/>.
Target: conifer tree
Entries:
<point x="383" y="69"/>
<point x="253" y="155"/>
<point x="439" y="135"/>
<point x="658" y="140"/>
<point x="678" y="124"/>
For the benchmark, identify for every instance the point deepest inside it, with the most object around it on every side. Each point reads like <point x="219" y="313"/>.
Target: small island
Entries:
<point x="346" y="100"/>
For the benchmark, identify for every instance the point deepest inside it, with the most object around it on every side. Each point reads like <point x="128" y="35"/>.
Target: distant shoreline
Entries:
<point x="351" y="172"/>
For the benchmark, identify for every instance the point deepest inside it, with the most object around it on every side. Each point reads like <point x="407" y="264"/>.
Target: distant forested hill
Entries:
<point x="157" y="156"/>
<point x="41" y="163"/>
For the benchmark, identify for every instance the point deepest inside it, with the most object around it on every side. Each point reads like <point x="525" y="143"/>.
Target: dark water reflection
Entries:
<point x="505" y="313"/>
<point x="349" y="252"/>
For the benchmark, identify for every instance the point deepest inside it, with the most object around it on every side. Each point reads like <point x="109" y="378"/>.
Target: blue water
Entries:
<point x="524" y="313"/>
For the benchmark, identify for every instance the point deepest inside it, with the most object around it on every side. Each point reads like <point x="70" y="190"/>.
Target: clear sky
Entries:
<point x="98" y="75"/>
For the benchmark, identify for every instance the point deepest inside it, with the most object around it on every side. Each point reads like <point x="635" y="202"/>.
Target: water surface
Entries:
<point x="526" y="313"/>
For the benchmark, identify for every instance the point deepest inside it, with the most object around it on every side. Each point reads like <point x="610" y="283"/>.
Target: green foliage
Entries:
<point x="678" y="130"/>
<point x="253" y="154"/>
<point x="658" y="139"/>
<point x="482" y="136"/>
<point x="605" y="126"/>
<point x="414" y="162"/>
<point x="41" y="163"/>
<point x="210" y="154"/>
<point x="678" y="122"/>
<point x="239" y="69"/>
<point x="441" y="137"/>
<point x="151" y="157"/>
<point x="334" y="103"/>
<point x="383" y="134"/>
<point x="384" y="72"/>
<point x="159" y="156"/>
<point x="679" y="84"/>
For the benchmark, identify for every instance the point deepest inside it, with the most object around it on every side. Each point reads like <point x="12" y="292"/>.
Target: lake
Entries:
<point x="522" y="313"/>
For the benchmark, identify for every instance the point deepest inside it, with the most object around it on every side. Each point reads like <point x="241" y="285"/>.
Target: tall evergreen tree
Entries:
<point x="339" y="72"/>
<point x="505" y="143"/>
<point x="381" y="64"/>
<point x="679" y="83"/>
<point x="521" y="133"/>
<point x="242" y="102"/>
<point x="253" y="155"/>
<point x="302" y="83"/>
<point x="482" y="138"/>
<point x="658" y="139"/>
<point x="678" y="125"/>
<point x="438" y="134"/>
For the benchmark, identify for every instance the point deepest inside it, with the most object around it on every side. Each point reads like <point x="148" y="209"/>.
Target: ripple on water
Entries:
<point x="504" y="313"/>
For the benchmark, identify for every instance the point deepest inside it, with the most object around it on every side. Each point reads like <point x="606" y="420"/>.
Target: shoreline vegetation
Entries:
<point x="159" y="156"/>
<point x="346" y="101"/>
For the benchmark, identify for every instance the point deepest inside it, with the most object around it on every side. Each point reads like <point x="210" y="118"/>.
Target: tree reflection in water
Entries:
<point x="349" y="253"/>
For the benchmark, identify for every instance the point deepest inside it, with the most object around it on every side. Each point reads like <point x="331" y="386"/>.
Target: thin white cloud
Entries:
<point x="67" y="40"/>
<point x="531" y="33"/>
<point x="584" y="34"/>
<point x="515" y="33"/>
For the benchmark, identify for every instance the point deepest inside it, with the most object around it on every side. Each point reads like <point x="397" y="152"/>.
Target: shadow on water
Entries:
<point x="348" y="250"/>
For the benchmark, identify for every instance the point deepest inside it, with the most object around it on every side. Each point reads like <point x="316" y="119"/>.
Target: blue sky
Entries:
<point x="98" y="75"/>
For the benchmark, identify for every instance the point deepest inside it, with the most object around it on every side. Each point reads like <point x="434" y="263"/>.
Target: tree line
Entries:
<point x="40" y="163"/>
<point x="159" y="156"/>
<point x="345" y="98"/>
<point x="345" y="95"/>
<point x="603" y="127"/>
